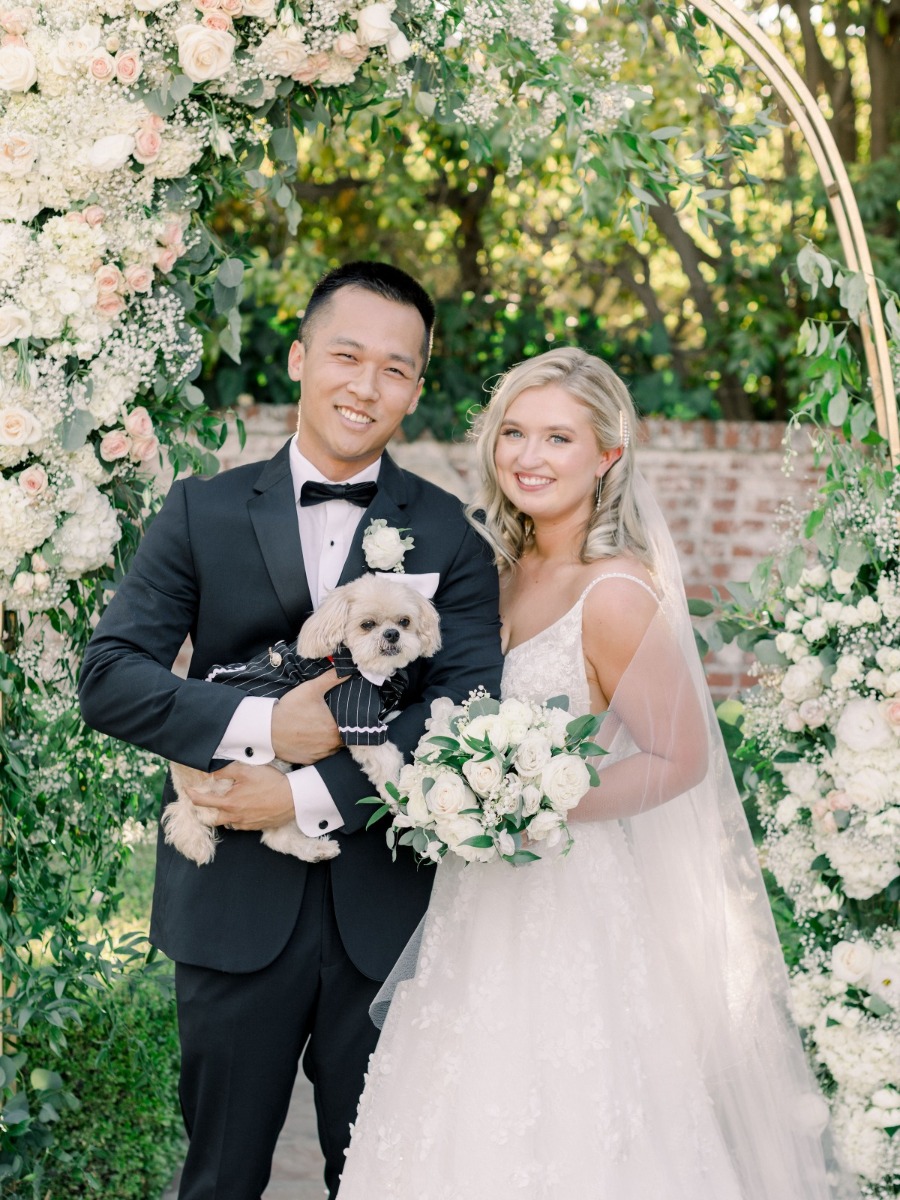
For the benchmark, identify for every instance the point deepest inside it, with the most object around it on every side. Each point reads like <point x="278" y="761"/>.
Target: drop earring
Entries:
<point x="598" y="492"/>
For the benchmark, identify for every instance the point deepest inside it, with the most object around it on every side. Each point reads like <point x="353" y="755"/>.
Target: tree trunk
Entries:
<point x="883" y="54"/>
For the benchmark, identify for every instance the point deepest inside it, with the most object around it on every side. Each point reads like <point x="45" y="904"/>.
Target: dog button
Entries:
<point x="323" y="824"/>
<point x="274" y="657"/>
<point x="248" y="750"/>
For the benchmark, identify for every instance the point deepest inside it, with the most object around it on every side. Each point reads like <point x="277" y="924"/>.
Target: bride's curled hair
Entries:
<point x="615" y="525"/>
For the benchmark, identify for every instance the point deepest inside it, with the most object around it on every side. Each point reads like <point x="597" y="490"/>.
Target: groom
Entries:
<point x="276" y="958"/>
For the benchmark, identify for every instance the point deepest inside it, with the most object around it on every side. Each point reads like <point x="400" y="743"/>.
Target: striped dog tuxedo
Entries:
<point x="359" y="707"/>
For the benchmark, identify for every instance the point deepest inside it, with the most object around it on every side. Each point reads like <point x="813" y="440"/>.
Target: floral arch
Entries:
<point x="121" y="123"/>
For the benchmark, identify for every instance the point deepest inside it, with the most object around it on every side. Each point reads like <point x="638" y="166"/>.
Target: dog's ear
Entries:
<point x="429" y="626"/>
<point x="324" y="631"/>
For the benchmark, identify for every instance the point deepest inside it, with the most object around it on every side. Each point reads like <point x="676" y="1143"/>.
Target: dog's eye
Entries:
<point x="403" y="622"/>
<point x="367" y="625"/>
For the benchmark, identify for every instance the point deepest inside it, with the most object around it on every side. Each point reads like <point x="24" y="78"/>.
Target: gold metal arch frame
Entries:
<point x="803" y="107"/>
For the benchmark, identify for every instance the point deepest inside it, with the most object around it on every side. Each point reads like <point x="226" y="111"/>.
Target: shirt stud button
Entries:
<point x="323" y="824"/>
<point x="248" y="750"/>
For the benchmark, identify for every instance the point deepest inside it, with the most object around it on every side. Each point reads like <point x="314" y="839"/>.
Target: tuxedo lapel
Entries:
<point x="389" y="505"/>
<point x="273" y="513"/>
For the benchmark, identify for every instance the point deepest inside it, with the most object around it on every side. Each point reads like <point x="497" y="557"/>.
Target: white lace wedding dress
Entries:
<point x="614" y="1024"/>
<point x="540" y="1051"/>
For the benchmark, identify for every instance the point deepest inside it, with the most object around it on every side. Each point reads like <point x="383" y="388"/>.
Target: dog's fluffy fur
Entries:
<point x="386" y="625"/>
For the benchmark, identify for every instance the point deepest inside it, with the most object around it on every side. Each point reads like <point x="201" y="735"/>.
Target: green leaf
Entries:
<point x="74" y="429"/>
<point x="231" y="273"/>
<point x="521" y="856"/>
<point x="699" y="608"/>
<point x="45" y="1081"/>
<point x="853" y="294"/>
<point x="377" y="815"/>
<point x="667" y="131"/>
<point x="879" y="1007"/>
<point x="768" y="653"/>
<point x="487" y="706"/>
<point x="822" y="863"/>
<point x="283" y="145"/>
<point x="557" y="702"/>
<point x="813" y="521"/>
<point x="180" y="88"/>
<point x="838" y="407"/>
<point x="481" y="841"/>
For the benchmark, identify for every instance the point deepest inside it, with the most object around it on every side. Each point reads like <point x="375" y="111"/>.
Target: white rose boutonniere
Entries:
<point x="383" y="546"/>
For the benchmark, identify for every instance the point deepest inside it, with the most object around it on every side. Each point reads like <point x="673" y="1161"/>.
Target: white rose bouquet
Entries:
<point x="492" y="779"/>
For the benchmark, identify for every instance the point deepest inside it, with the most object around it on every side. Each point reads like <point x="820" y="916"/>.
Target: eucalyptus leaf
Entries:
<point x="230" y="273"/>
<point x="74" y="428"/>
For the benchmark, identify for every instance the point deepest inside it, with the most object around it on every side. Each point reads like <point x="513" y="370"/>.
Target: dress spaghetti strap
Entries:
<point x="619" y="575"/>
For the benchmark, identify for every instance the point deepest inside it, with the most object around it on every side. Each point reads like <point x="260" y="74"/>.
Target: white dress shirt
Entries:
<point x="326" y="531"/>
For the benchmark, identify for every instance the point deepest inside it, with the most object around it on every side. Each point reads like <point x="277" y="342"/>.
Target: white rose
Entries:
<point x="793" y="620"/>
<point x="565" y="780"/>
<point x="884" y="977"/>
<point x="886" y="1097"/>
<point x="262" y="9"/>
<point x="384" y="548"/>
<point x="862" y="726"/>
<point x="803" y="680"/>
<point x="19" y="427"/>
<point x="802" y="779"/>
<point x="398" y="48"/>
<point x="443" y="710"/>
<point x="869" y="788"/>
<point x="18" y="69"/>
<point x="850" y="617"/>
<point x="831" y="611"/>
<point x="869" y="610"/>
<point x="546" y="827"/>
<point x="815" y="629"/>
<point x="517" y="717"/>
<point x="784" y="642"/>
<point x="842" y="581"/>
<point x="533" y="754"/>
<point x="204" y="54"/>
<point x="813" y="713"/>
<point x="282" y="54"/>
<point x="557" y="726"/>
<point x="374" y="26"/>
<point x="491" y="726"/>
<point x="111" y="152"/>
<point x="815" y="577"/>
<point x="15" y="323"/>
<point x="18" y="152"/>
<point x="852" y="961"/>
<point x="484" y="775"/>
<point x="448" y="794"/>
<point x="849" y="670"/>
<point x="456" y="829"/>
<point x="505" y="843"/>
<point x="531" y="799"/>
<point x="417" y="807"/>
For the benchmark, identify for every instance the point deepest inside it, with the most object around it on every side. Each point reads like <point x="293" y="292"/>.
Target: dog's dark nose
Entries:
<point x="391" y="635"/>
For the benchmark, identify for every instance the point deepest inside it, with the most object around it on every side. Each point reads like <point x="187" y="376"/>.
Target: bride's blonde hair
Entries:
<point x="614" y="526"/>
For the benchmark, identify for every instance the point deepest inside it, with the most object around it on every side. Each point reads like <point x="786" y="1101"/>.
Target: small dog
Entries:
<point x="372" y="627"/>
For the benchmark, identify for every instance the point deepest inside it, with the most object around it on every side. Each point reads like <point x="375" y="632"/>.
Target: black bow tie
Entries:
<point x="354" y="493"/>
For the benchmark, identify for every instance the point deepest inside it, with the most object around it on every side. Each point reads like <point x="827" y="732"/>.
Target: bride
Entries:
<point x="609" y="1024"/>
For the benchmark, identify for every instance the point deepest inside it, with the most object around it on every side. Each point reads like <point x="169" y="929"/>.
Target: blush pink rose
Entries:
<point x="138" y="423"/>
<point x="166" y="259"/>
<point x="12" y="39"/>
<point x="892" y="714"/>
<point x="143" y="449"/>
<point x="115" y="445"/>
<point x="206" y="6"/>
<point x="33" y="480"/>
<point x="147" y="145"/>
<point x="346" y="45"/>
<point x="217" y="20"/>
<point x="110" y="304"/>
<point x="234" y="8"/>
<point x="77" y="218"/>
<point x="102" y="67"/>
<point x="171" y="235"/>
<point x="311" y="68"/>
<point x="39" y="563"/>
<point x="138" y="278"/>
<point x="17" y="20"/>
<point x="93" y="214"/>
<point x="108" y="279"/>
<point x="128" y="66"/>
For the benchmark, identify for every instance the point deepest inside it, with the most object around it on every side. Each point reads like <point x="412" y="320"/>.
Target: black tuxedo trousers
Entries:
<point x="222" y="562"/>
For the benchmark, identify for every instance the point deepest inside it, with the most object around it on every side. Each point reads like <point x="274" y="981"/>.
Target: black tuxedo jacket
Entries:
<point x="222" y="562"/>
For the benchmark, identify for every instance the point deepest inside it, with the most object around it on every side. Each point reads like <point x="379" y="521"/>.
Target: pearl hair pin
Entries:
<point x="624" y="431"/>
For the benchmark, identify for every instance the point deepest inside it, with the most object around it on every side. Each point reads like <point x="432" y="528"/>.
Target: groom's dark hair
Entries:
<point x="381" y="278"/>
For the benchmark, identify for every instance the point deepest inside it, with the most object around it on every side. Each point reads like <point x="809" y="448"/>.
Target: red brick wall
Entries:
<point x="720" y="485"/>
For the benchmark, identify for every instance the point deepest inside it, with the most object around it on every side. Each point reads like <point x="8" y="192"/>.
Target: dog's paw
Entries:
<point x="287" y="839"/>
<point x="190" y="830"/>
<point x="381" y="763"/>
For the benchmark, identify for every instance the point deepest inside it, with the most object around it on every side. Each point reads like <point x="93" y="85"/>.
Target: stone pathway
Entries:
<point x="297" y="1168"/>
